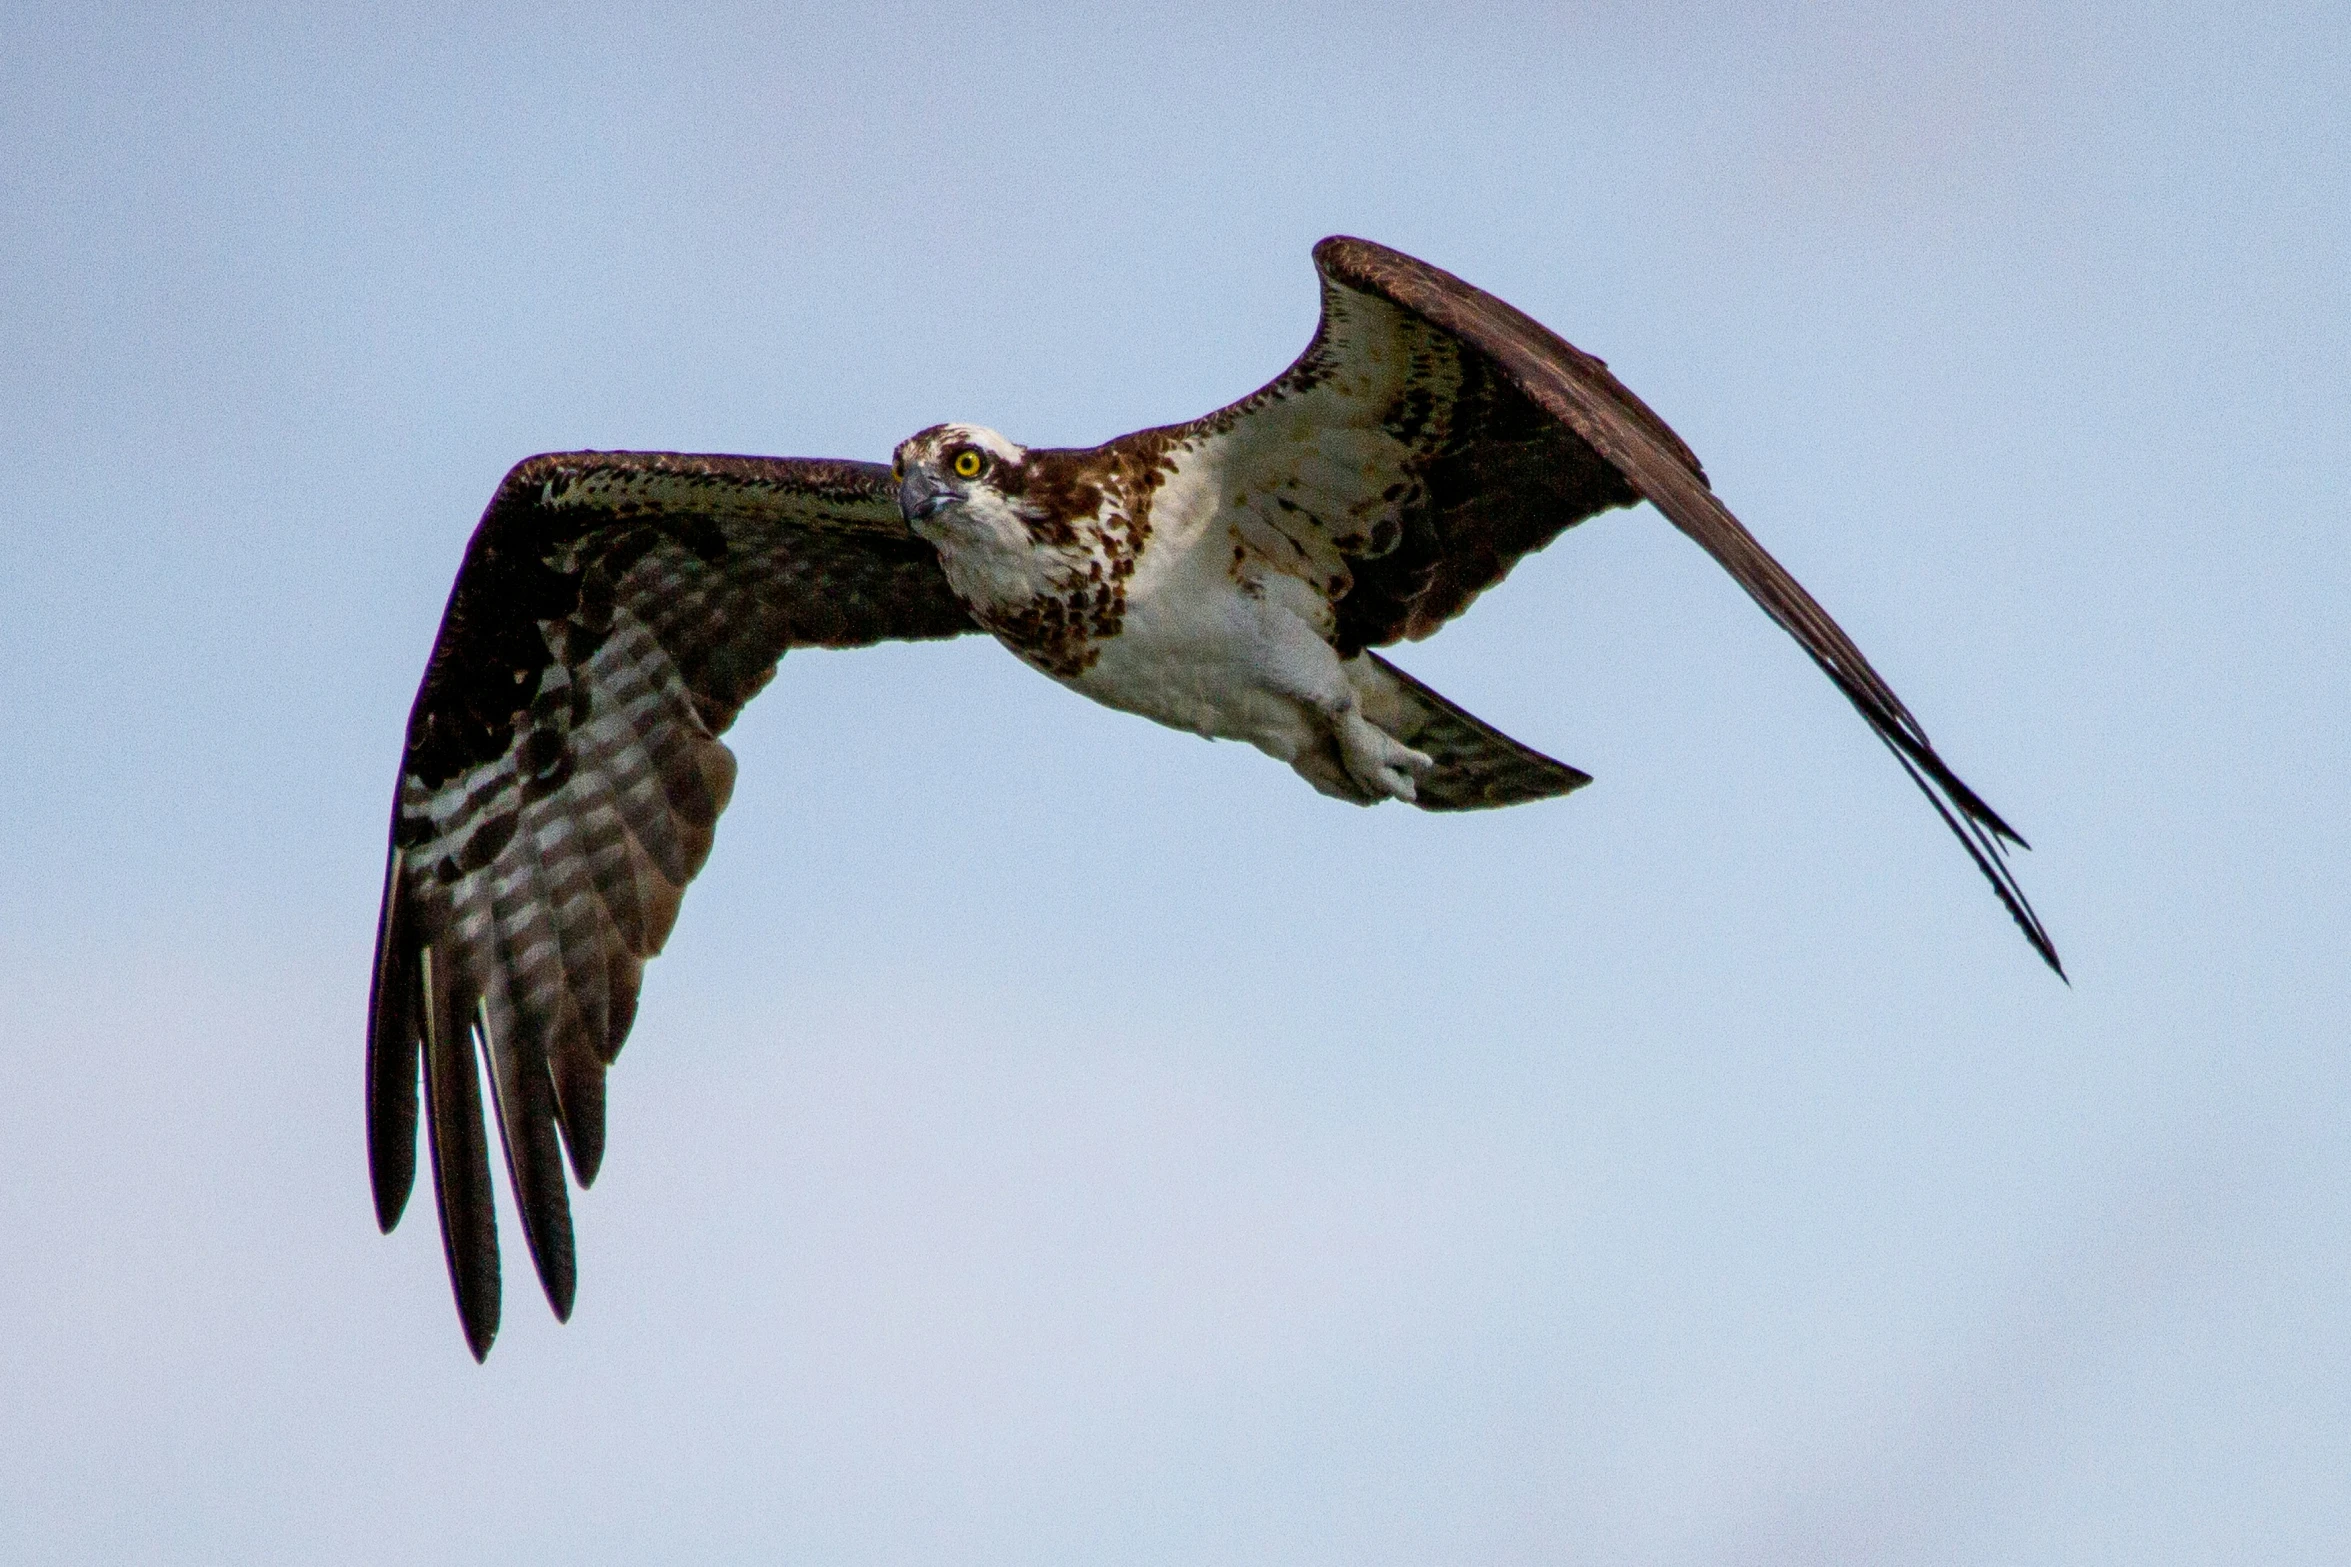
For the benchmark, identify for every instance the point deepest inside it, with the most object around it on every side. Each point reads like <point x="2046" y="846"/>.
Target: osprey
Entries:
<point x="615" y="610"/>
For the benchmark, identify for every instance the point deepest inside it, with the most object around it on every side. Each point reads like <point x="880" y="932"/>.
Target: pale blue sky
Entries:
<point x="1051" y="1138"/>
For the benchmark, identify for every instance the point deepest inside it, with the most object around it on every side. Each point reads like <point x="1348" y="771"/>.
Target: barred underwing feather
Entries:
<point x="561" y="785"/>
<point x="574" y="1018"/>
<point x="460" y="1152"/>
<point x="518" y="993"/>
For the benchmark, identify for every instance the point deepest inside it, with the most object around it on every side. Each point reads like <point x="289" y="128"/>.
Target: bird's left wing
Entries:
<point x="1431" y="436"/>
<point x="559" y="787"/>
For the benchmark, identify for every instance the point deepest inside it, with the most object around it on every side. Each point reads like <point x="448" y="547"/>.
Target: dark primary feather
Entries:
<point x="561" y="781"/>
<point x="1511" y="435"/>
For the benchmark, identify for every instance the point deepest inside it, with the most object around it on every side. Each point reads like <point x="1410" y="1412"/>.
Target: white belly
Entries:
<point x="1198" y="651"/>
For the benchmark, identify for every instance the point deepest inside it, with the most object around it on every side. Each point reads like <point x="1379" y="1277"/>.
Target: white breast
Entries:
<point x="1214" y="640"/>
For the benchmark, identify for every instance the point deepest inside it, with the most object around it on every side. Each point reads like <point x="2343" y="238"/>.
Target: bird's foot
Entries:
<point x="1383" y="767"/>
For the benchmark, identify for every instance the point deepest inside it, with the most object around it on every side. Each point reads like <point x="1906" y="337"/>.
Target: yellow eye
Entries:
<point x="968" y="463"/>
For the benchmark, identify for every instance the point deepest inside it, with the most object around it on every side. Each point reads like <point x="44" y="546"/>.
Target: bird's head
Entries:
<point x="959" y="485"/>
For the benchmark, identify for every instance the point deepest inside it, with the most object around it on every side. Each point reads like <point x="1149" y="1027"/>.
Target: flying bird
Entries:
<point x="563" y="771"/>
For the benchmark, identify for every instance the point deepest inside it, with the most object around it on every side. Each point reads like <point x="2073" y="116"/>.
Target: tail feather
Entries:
<point x="1478" y="766"/>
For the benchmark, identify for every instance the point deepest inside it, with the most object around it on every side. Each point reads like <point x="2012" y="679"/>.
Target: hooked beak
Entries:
<point x="920" y="496"/>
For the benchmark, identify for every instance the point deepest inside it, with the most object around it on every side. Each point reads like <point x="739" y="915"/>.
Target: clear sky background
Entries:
<point x="1050" y="1138"/>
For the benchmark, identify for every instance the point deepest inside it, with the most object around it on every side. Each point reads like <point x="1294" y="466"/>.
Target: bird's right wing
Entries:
<point x="559" y="787"/>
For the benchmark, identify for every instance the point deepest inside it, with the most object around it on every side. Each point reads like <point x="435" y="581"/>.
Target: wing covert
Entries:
<point x="561" y="781"/>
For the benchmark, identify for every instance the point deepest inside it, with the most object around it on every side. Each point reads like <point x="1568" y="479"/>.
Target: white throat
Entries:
<point x="990" y="558"/>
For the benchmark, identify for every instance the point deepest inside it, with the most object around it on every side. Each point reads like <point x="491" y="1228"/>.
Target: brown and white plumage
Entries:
<point x="561" y="779"/>
<point x="563" y="771"/>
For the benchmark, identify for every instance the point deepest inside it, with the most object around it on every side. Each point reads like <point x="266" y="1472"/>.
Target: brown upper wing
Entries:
<point x="1431" y="436"/>
<point x="560" y="784"/>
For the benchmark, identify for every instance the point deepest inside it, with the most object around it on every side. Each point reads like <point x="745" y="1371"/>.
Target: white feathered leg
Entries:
<point x="1372" y="766"/>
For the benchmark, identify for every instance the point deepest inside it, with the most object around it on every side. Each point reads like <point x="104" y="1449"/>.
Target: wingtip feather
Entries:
<point x="395" y="1057"/>
<point x="534" y="1163"/>
<point x="461" y="1157"/>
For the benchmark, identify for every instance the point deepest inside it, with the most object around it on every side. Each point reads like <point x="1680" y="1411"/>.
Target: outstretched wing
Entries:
<point x="561" y="780"/>
<point x="1431" y="436"/>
